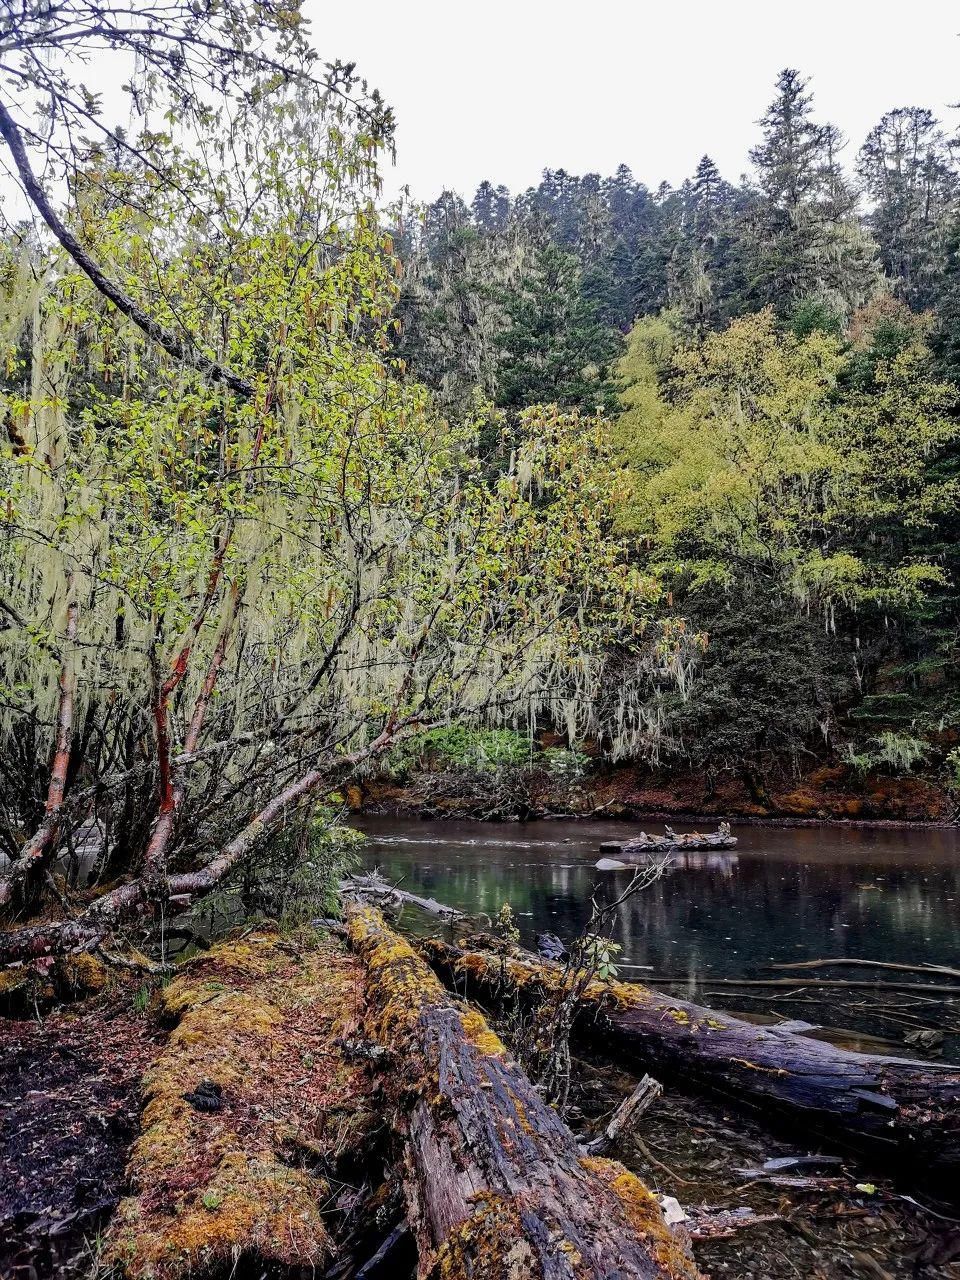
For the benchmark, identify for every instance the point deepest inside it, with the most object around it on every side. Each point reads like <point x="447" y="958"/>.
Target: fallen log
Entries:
<point x="380" y="892"/>
<point x="671" y="842"/>
<point x="255" y="1117"/>
<point x="846" y="962"/>
<point x="906" y="1108"/>
<point x="496" y="1184"/>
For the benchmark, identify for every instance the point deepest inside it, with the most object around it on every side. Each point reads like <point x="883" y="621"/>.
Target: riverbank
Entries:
<point x="248" y="1098"/>
<point x="833" y="793"/>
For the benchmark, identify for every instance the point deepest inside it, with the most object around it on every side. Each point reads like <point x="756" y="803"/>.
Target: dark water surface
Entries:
<point x="784" y="894"/>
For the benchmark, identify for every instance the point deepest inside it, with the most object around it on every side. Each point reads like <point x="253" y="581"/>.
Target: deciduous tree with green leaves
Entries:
<point x="233" y="575"/>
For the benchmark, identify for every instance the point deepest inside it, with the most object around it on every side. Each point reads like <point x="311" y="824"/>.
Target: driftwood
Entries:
<point x="671" y="842"/>
<point x="625" y="1119"/>
<point x="798" y="983"/>
<point x="703" y="1222"/>
<point x="907" y="1108"/>
<point x="380" y="892"/>
<point x="942" y="970"/>
<point x="496" y="1184"/>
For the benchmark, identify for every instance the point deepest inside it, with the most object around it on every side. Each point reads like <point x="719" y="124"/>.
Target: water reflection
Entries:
<point x="785" y="895"/>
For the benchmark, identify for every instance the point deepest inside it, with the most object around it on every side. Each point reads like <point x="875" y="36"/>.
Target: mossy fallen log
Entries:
<point x="252" y="1108"/>
<point x="25" y="988"/>
<point x="496" y="1184"/>
<point x="906" y="1108"/>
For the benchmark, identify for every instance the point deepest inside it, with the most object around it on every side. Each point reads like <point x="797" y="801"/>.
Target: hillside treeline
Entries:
<point x="776" y="359"/>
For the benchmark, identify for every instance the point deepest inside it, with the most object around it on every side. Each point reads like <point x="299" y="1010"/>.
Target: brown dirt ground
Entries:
<point x="69" y="1109"/>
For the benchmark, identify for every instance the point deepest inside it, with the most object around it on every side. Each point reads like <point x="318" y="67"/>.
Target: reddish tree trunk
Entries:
<point x="36" y="853"/>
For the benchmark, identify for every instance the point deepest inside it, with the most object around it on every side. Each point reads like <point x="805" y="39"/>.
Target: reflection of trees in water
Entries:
<point x="728" y="919"/>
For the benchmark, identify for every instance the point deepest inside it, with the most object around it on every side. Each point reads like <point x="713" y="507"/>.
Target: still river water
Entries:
<point x="784" y="894"/>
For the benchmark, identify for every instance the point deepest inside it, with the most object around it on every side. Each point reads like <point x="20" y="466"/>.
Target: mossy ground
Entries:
<point x="263" y="1019"/>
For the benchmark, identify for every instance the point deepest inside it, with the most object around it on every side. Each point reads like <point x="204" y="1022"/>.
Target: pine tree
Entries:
<point x="703" y="277"/>
<point x="555" y="348"/>
<point x="908" y="174"/>
<point x="803" y="236"/>
<point x="490" y="207"/>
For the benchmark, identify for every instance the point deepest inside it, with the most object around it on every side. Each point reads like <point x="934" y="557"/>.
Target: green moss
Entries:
<point x="260" y="1018"/>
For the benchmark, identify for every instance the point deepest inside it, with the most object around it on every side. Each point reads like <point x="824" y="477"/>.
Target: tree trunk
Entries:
<point x="496" y="1184"/>
<point x="907" y="1108"/>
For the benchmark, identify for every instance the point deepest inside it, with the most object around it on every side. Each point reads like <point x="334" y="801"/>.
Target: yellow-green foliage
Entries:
<point x="342" y="542"/>
<point x="749" y="447"/>
<point x="260" y="1018"/>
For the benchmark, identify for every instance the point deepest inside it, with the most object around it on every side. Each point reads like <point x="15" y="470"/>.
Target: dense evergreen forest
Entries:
<point x="777" y="361"/>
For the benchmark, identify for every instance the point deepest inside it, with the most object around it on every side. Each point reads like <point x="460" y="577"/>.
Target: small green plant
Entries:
<point x="599" y="953"/>
<point x="505" y="925"/>
<point x="900" y="751"/>
<point x="458" y="747"/>
<point x="212" y="1200"/>
<point x="293" y="877"/>
<point x="565" y="764"/>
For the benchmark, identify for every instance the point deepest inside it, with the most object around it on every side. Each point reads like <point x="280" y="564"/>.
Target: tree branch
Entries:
<point x="170" y="343"/>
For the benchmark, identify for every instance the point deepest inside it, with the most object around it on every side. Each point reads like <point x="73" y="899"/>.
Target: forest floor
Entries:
<point x="277" y="1020"/>
<point x="69" y="1111"/>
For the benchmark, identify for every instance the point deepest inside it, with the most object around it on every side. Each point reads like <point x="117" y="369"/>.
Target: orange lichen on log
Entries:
<point x="257" y="1031"/>
<point x="496" y="1186"/>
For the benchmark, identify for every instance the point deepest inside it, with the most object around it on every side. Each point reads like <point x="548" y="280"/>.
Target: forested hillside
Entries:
<point x="776" y="359"/>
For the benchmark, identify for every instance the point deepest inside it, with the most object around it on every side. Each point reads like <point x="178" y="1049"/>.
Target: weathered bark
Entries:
<point x="36" y="853"/>
<point x="495" y="1181"/>
<point x="907" y="1108"/>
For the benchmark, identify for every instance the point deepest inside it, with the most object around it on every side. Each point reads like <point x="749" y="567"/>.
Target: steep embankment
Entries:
<point x="824" y="794"/>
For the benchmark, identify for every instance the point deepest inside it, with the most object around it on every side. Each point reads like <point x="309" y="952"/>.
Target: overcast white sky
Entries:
<point x="501" y="89"/>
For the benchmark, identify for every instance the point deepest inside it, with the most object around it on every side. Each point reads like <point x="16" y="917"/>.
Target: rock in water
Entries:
<point x="550" y="947"/>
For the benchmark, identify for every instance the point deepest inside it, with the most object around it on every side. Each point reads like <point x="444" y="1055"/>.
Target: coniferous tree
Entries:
<point x="703" y="278"/>
<point x="909" y="175"/>
<point x="946" y="334"/>
<point x="555" y="349"/>
<point x="490" y="207"/>
<point x="802" y="234"/>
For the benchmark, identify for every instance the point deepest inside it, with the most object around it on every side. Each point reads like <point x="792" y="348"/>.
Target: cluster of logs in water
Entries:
<point x="641" y="848"/>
